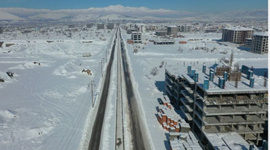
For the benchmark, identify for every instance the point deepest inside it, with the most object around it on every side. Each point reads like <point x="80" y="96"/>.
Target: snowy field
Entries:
<point x="209" y="50"/>
<point x="45" y="105"/>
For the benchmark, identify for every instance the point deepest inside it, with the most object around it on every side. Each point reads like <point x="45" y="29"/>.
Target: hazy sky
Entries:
<point x="185" y="5"/>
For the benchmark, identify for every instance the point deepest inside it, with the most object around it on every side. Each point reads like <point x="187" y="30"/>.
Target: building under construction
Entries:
<point x="220" y="100"/>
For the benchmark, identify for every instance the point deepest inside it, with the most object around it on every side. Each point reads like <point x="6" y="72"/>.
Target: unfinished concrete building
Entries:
<point x="236" y="35"/>
<point x="218" y="100"/>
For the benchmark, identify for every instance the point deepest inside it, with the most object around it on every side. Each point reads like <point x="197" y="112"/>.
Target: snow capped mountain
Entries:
<point x="113" y="12"/>
<point x="8" y="16"/>
<point x="117" y="12"/>
<point x="260" y="13"/>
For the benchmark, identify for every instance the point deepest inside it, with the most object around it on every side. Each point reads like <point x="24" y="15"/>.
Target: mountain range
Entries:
<point x="118" y="12"/>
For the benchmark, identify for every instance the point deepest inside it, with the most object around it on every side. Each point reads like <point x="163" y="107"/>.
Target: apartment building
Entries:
<point x="100" y="26"/>
<point x="236" y="35"/>
<point x="172" y="30"/>
<point x="110" y="26"/>
<point x="220" y="100"/>
<point x="260" y="43"/>
<point x="136" y="37"/>
<point x="185" y="28"/>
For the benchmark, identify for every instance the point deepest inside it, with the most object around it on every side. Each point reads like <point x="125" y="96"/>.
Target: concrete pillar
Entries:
<point x="237" y="127"/>
<point x="251" y="96"/>
<point x="248" y="117"/>
<point x="235" y="96"/>
<point x="262" y="105"/>
<point x="232" y="127"/>
<point x="257" y="140"/>
<point x="219" y="106"/>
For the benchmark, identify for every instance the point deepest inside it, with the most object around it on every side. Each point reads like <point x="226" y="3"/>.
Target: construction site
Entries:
<point x="220" y="99"/>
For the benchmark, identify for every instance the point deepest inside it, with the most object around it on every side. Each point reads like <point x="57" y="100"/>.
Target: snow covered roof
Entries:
<point x="261" y="33"/>
<point x="238" y="28"/>
<point x="172" y="26"/>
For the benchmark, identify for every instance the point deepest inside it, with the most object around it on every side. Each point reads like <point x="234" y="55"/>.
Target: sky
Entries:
<point x="205" y="6"/>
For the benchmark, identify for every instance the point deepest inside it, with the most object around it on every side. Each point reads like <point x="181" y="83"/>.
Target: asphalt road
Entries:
<point x="119" y="128"/>
<point x="137" y="136"/>
<point x="97" y="128"/>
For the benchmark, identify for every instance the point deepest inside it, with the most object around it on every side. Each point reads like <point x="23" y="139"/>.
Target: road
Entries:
<point x="97" y="128"/>
<point x="119" y="130"/>
<point x="123" y="78"/>
<point x="136" y="131"/>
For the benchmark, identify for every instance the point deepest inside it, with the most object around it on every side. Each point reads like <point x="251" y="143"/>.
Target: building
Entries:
<point x="260" y="43"/>
<point x="248" y="42"/>
<point x="185" y="28"/>
<point x="1" y="44"/>
<point x="172" y="30"/>
<point x="100" y="26"/>
<point x="236" y="35"/>
<point x="220" y="100"/>
<point x="110" y="25"/>
<point x="89" y="25"/>
<point x="161" y="33"/>
<point x="136" y="37"/>
<point x="164" y="42"/>
<point x="141" y="27"/>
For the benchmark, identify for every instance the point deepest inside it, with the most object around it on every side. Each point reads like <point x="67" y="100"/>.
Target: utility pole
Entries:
<point x="106" y="54"/>
<point x="101" y="68"/>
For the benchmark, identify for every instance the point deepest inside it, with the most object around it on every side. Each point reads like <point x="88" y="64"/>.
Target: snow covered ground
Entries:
<point x="46" y="103"/>
<point x="149" y="56"/>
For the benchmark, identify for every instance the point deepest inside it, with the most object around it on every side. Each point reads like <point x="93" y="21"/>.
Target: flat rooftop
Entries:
<point x="172" y="26"/>
<point x="227" y="141"/>
<point x="261" y="33"/>
<point x="243" y="84"/>
<point x="238" y="28"/>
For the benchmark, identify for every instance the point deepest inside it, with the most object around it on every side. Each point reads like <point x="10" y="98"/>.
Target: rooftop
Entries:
<point x="261" y="33"/>
<point x="243" y="84"/>
<point x="172" y="26"/>
<point x="238" y="28"/>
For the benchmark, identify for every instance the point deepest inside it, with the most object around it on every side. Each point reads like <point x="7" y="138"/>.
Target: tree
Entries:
<point x="154" y="71"/>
